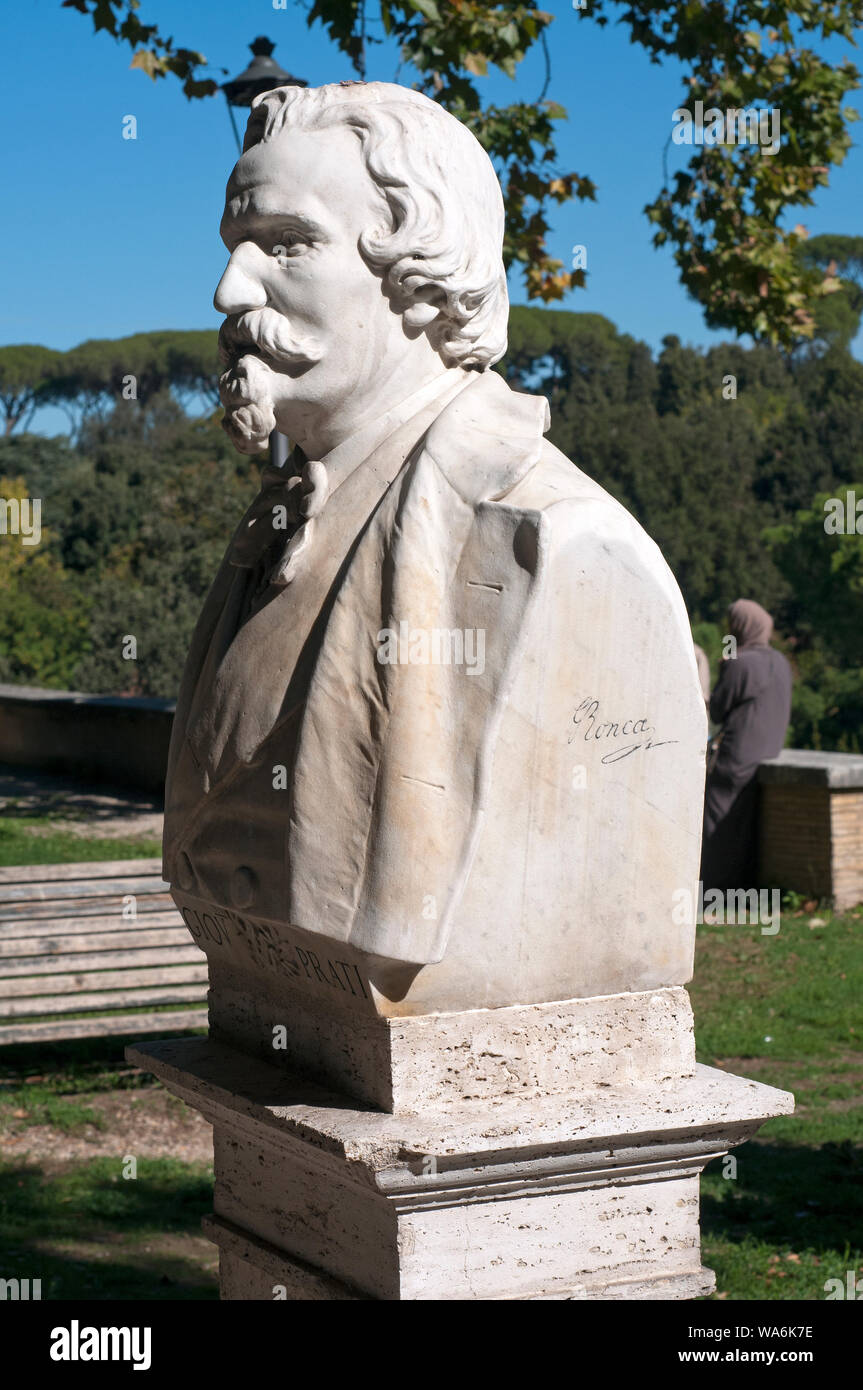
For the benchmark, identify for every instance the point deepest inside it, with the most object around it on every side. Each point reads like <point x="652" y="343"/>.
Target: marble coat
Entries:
<point x="395" y="811"/>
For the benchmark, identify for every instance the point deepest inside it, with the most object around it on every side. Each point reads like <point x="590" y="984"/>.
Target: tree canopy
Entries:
<point x="89" y="379"/>
<point x="725" y="456"/>
<point x="27" y="372"/>
<point x="837" y="317"/>
<point x="723" y="214"/>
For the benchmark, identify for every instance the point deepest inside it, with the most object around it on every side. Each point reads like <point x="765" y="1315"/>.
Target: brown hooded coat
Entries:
<point x="752" y="702"/>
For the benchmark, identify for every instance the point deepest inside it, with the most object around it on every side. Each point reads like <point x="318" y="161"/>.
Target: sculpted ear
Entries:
<point x="425" y="306"/>
<point x="418" y="315"/>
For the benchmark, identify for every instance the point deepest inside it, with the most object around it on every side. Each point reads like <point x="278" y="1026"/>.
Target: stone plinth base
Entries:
<point x="591" y="1196"/>
<point x="448" y="1059"/>
<point x="253" y="1269"/>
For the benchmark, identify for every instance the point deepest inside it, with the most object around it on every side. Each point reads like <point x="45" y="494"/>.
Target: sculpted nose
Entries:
<point x="240" y="288"/>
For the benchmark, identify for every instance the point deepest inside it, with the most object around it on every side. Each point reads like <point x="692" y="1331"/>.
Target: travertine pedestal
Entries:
<point x="586" y="1191"/>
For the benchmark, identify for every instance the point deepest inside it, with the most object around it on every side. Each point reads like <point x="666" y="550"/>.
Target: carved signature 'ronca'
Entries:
<point x="592" y="729"/>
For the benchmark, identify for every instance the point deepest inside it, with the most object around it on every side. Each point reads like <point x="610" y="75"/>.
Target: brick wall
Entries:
<point x="811" y="825"/>
<point x="846" y="818"/>
<point x="795" y="839"/>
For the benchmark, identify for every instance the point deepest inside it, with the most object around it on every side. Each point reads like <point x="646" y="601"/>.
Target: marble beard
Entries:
<point x="436" y="774"/>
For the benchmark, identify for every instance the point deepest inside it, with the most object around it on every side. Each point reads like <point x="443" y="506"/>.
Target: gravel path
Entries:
<point x="148" y="1124"/>
<point x="93" y="812"/>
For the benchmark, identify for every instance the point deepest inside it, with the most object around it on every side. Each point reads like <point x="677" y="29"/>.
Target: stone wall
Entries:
<point x="811" y="816"/>
<point x="811" y="824"/>
<point x="104" y="738"/>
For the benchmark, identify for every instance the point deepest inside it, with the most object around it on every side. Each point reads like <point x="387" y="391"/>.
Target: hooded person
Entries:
<point x="752" y="703"/>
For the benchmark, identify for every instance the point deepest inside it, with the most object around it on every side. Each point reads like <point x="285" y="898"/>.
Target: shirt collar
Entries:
<point x="341" y="461"/>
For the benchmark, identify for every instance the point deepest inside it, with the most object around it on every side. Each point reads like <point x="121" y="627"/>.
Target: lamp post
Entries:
<point x="262" y="75"/>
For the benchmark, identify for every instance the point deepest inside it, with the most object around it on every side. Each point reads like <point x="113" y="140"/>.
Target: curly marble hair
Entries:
<point x="441" y="258"/>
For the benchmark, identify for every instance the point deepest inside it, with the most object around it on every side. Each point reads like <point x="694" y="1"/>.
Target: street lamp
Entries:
<point x="262" y="75"/>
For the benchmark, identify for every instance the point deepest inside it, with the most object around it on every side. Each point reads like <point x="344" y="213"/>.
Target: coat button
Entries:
<point x="243" y="885"/>
<point x="185" y="874"/>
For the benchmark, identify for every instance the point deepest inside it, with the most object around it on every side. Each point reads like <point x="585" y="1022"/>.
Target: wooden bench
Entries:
<point x="94" y="940"/>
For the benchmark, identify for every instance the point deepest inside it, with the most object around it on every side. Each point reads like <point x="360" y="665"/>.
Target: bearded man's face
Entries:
<point x="306" y="318"/>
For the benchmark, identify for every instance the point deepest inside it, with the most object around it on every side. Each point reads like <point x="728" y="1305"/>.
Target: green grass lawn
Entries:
<point x="89" y="1233"/>
<point x="788" y="1011"/>
<point x="86" y="1228"/>
<point x="82" y="1228"/>
<point x="36" y="840"/>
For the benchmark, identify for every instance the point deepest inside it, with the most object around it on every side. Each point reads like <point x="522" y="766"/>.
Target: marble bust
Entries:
<point x="440" y="739"/>
<point x="436" y="777"/>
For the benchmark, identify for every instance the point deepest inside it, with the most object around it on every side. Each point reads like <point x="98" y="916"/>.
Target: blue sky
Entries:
<point x="104" y="236"/>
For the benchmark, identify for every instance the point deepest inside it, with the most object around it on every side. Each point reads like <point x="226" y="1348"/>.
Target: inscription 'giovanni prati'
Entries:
<point x="637" y="731"/>
<point x="271" y="950"/>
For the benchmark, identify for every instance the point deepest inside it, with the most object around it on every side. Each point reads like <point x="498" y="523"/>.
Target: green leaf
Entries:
<point x="426" y="7"/>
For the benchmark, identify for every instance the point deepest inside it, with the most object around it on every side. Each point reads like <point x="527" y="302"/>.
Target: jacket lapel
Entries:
<point x="393" y="756"/>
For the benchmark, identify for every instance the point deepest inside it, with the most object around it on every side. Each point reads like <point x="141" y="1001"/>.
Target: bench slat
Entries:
<point x="98" y="868"/>
<point x="79" y="1003"/>
<point x="66" y="947"/>
<point x="91" y="922"/>
<point x="34" y="985"/>
<point x="77" y="888"/>
<point x="45" y="948"/>
<point x="81" y="907"/>
<point x="108" y="1025"/>
<point x="49" y="966"/>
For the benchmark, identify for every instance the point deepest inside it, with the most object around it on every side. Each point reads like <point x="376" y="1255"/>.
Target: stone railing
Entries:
<point x="105" y="738"/>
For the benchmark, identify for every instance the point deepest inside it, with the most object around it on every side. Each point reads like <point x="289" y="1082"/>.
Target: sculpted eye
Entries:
<point x="291" y="245"/>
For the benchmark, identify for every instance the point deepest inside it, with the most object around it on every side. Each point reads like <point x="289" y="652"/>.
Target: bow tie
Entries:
<point x="283" y="504"/>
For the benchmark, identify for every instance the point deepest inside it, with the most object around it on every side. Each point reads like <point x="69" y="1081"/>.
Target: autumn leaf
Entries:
<point x="147" y="62"/>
